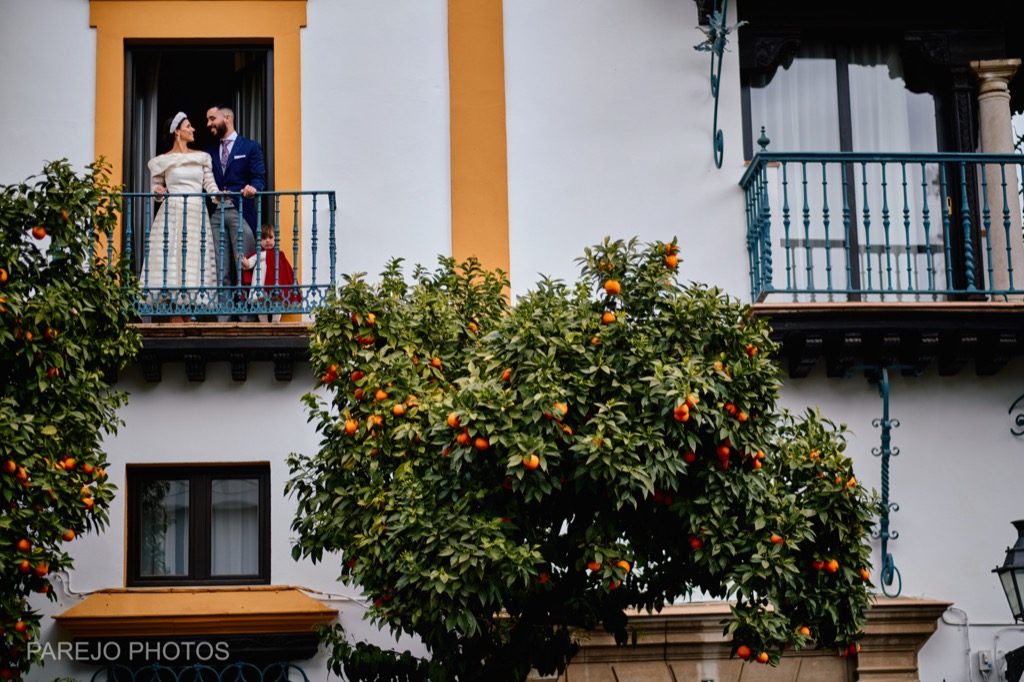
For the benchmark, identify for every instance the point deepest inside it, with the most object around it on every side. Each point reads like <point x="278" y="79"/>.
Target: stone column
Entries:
<point x="996" y="134"/>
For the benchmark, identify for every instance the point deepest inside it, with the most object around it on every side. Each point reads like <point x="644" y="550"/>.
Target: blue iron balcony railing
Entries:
<point x="178" y="247"/>
<point x="831" y="227"/>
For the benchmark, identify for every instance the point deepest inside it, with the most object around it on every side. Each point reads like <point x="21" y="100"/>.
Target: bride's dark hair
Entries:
<point x="166" y="134"/>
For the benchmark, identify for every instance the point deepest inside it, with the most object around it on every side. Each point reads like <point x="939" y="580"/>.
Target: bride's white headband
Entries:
<point x="176" y="121"/>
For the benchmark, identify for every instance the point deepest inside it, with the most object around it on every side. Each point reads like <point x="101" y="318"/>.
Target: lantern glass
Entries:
<point x="1011" y="579"/>
<point x="1011" y="574"/>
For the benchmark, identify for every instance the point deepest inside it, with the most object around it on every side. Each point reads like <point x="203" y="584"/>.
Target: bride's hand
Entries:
<point x="160" y="190"/>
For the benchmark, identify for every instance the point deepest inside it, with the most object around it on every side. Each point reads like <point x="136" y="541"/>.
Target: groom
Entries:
<point x="237" y="167"/>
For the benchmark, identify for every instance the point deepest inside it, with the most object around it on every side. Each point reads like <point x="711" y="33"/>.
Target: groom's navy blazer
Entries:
<point x="245" y="167"/>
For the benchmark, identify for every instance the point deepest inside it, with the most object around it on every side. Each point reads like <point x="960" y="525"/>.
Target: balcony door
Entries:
<point x="163" y="79"/>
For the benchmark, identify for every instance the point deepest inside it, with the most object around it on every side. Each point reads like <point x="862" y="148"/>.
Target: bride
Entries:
<point x="180" y="259"/>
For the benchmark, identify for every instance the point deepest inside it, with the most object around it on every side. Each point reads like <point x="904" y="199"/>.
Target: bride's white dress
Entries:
<point x="180" y="248"/>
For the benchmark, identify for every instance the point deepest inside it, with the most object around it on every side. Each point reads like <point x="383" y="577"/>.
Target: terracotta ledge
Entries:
<point x="195" y="611"/>
<point x="685" y="641"/>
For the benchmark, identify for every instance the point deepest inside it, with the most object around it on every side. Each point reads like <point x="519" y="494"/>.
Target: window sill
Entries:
<point x="195" y="611"/>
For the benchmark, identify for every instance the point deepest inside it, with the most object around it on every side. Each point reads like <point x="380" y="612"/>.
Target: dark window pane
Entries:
<point x="164" y="528"/>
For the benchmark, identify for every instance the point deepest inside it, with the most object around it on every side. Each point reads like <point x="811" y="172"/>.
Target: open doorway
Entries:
<point x="162" y="79"/>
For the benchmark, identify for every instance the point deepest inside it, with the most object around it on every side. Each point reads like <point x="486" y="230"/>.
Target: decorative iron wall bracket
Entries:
<point x="716" y="36"/>
<point x="889" y="573"/>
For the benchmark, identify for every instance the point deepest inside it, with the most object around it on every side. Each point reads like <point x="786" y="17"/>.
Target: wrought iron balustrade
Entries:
<point x="179" y="255"/>
<point x="234" y="672"/>
<point x="884" y="227"/>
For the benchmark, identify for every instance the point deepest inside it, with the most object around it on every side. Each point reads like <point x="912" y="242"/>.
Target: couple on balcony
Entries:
<point x="183" y="246"/>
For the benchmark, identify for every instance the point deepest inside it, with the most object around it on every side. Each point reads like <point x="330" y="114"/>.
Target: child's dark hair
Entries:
<point x="266" y="231"/>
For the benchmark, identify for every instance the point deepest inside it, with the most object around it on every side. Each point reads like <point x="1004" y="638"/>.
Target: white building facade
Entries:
<point x="520" y="132"/>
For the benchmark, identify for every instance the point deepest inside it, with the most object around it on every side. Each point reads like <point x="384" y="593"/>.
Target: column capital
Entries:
<point x="994" y="75"/>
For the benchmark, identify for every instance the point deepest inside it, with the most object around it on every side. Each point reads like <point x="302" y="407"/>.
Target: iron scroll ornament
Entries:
<point x="716" y="36"/>
<point x="889" y="572"/>
<point x="1018" y="421"/>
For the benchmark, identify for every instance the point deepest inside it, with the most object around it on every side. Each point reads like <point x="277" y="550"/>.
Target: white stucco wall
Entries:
<point x="610" y="127"/>
<point x="216" y="421"/>
<point x="375" y="127"/>
<point x="48" y="83"/>
<point x="956" y="480"/>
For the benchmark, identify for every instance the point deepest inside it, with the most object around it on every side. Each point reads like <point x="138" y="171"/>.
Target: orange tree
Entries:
<point x="64" y="318"/>
<point x="498" y="478"/>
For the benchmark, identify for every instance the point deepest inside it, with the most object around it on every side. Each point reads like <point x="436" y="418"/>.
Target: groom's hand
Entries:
<point x="248" y="191"/>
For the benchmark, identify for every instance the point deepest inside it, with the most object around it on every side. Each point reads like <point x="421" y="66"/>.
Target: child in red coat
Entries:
<point x="278" y="277"/>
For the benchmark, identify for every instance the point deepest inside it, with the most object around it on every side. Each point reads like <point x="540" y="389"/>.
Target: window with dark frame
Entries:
<point x="198" y="525"/>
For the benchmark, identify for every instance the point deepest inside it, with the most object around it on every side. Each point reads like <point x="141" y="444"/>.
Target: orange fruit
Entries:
<point x="42" y="569"/>
<point x="351" y="426"/>
<point x="531" y="461"/>
<point x="831" y="565"/>
<point x="818" y="564"/>
<point x="681" y="413"/>
<point x="481" y="444"/>
<point x="865" y="574"/>
<point x="562" y="407"/>
<point x="24" y="545"/>
<point x="472" y="327"/>
<point x="435" y="362"/>
<point x="805" y="631"/>
<point x="20" y="626"/>
<point x="696" y="543"/>
<point x="68" y="535"/>
<point x="762" y="657"/>
<point x="453" y="420"/>
<point x="741" y="416"/>
<point x="506" y="375"/>
<point x="88" y="502"/>
<point x="543" y="577"/>
<point x="39" y="232"/>
<point x="594" y="565"/>
<point x="10" y="466"/>
<point x="3" y="275"/>
<point x="689" y="457"/>
<point x="751" y="350"/>
<point x="24" y="566"/>
<point x="398" y="410"/>
<point x="718" y="365"/>
<point x="608" y="317"/>
<point x="777" y="539"/>
<point x="624" y="565"/>
<point x="462" y="438"/>
<point x="743" y="651"/>
<point x="612" y="287"/>
<point x="356" y="375"/>
<point x="692" y="400"/>
<point x="595" y="341"/>
<point x="614" y="584"/>
<point x="672" y="261"/>
<point x="380" y="394"/>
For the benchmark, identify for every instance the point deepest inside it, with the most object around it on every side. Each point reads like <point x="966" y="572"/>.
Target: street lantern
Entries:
<point x="1011" y="574"/>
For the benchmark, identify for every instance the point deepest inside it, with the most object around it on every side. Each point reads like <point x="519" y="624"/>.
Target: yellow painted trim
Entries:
<point x="195" y="611"/>
<point x="479" y="161"/>
<point x="213" y="22"/>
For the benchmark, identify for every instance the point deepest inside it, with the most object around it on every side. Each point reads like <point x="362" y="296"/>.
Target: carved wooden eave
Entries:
<point x="904" y="336"/>
<point x="194" y="345"/>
